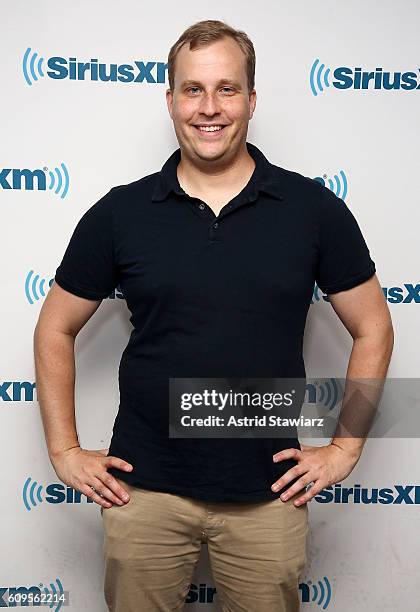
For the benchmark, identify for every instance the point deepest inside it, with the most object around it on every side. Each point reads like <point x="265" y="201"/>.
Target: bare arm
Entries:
<point x="61" y="318"/>
<point x="364" y="312"/>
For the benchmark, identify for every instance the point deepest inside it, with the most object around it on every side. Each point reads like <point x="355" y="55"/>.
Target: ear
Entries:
<point x="252" y="102"/>
<point x="169" y="101"/>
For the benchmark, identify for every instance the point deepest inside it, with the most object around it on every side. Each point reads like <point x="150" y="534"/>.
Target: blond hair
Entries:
<point x="204" y="33"/>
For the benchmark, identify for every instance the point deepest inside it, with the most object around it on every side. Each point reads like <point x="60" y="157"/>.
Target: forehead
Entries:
<point x="220" y="59"/>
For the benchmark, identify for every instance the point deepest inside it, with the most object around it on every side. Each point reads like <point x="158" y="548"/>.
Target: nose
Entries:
<point x="209" y="104"/>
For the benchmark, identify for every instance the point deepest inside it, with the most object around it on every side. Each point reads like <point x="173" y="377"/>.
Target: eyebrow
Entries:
<point x="221" y="82"/>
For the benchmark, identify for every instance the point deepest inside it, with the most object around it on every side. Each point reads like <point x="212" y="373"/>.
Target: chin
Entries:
<point x="209" y="155"/>
<point x="210" y="149"/>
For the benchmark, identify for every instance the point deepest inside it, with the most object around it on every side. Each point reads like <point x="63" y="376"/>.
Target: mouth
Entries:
<point x="210" y="131"/>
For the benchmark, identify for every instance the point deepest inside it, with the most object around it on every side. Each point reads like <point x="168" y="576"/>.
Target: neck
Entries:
<point x="215" y="176"/>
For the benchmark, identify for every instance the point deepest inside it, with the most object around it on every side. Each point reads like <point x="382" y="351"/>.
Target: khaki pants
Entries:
<point x="152" y="545"/>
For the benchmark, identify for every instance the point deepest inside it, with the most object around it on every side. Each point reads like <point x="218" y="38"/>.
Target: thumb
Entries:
<point x="103" y="451"/>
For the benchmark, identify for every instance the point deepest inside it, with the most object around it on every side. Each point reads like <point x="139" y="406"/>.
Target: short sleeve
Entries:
<point x="344" y="259"/>
<point x="88" y="267"/>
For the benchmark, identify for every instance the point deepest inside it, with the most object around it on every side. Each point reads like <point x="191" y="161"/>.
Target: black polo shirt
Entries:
<point x="209" y="296"/>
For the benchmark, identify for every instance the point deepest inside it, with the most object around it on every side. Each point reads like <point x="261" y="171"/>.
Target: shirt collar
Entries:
<point x="265" y="177"/>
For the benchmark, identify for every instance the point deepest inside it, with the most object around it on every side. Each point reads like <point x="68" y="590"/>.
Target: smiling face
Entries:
<point x="211" y="89"/>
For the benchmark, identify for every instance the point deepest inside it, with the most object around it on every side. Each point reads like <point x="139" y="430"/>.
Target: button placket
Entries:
<point x="213" y="234"/>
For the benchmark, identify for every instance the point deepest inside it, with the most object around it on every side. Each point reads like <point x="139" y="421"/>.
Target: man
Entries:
<point x="216" y="256"/>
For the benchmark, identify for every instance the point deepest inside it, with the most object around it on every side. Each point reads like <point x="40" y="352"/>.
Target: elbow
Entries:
<point x="385" y="338"/>
<point x="378" y="336"/>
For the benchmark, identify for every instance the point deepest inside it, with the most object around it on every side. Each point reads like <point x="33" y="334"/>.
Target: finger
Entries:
<point x="109" y="487"/>
<point x="294" y="472"/>
<point x="104" y="491"/>
<point x="310" y="494"/>
<point x="287" y="453"/>
<point x="118" y="463"/>
<point x="296" y="487"/>
<point x="89" y="492"/>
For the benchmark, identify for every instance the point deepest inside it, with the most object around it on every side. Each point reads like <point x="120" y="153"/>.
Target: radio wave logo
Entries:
<point x="319" y="593"/>
<point x="59" y="182"/>
<point x="329" y="392"/>
<point x="59" y="68"/>
<point x="35" y="287"/>
<point x="346" y="77"/>
<point x="54" y="595"/>
<point x="338" y="185"/>
<point x="24" y="179"/>
<point x="318" y="77"/>
<point x="32" y="66"/>
<point x="32" y="493"/>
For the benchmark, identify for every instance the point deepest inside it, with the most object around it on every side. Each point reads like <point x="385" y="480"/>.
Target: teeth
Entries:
<point x="210" y="128"/>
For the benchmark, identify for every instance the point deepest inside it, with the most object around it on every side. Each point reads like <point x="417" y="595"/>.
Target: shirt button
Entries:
<point x="201" y="206"/>
<point x="215" y="225"/>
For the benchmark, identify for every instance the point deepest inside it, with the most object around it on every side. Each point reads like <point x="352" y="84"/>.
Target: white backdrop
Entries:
<point x="92" y="135"/>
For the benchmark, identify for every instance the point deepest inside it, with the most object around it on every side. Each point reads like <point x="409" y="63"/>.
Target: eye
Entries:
<point x="194" y="87"/>
<point x="229" y="88"/>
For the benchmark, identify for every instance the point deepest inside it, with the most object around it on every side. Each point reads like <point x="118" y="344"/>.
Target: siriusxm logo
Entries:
<point x="55" y="493"/>
<point x="53" y="596"/>
<point x="202" y="593"/>
<point x="24" y="179"/>
<point x="407" y="294"/>
<point x="17" y="391"/>
<point x="356" y="78"/>
<point x="337" y="186"/>
<point x="398" y="494"/>
<point x="318" y="593"/>
<point x="60" y="68"/>
<point x="402" y="295"/>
